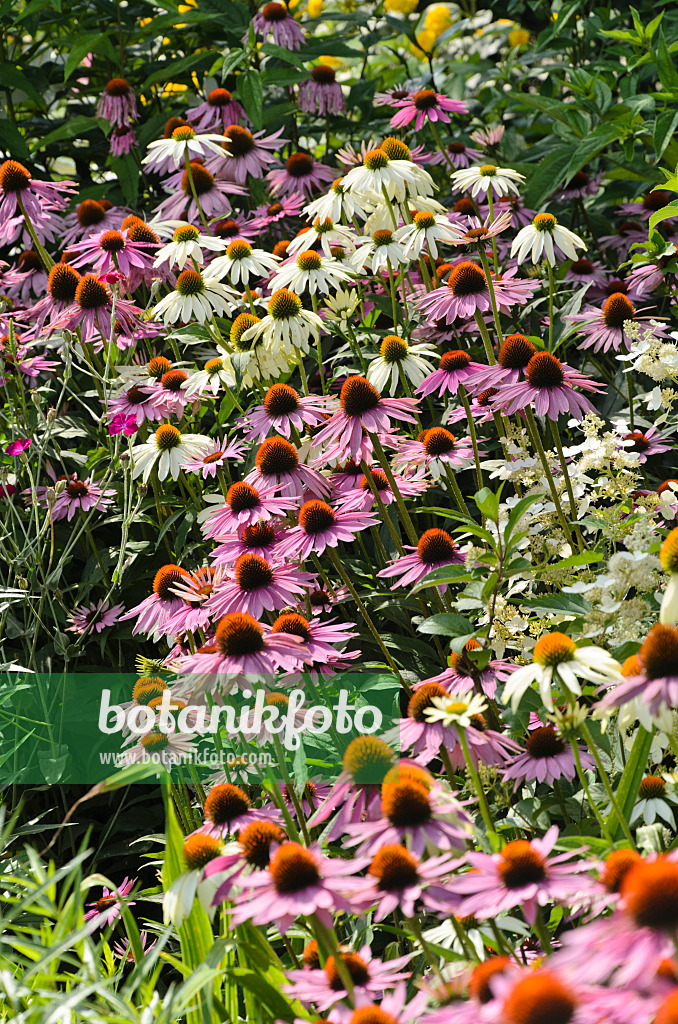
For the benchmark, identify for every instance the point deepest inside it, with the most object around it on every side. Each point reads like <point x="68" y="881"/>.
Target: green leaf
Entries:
<point x="74" y="127"/>
<point x="12" y="77"/>
<point x="667" y="71"/>
<point x="87" y="44"/>
<point x="664" y="127"/>
<point x="557" y="604"/>
<point x="666" y="213"/>
<point x="488" y="503"/>
<point x="548" y="176"/>
<point x="252" y="96"/>
<point x="127" y="171"/>
<point x="627" y="791"/>
<point x="286" y="56"/>
<point x="231" y="61"/>
<point x="446" y="624"/>
<point x="12" y="142"/>
<point x="585" y="558"/>
<point x="595" y="141"/>
<point x="168" y="72"/>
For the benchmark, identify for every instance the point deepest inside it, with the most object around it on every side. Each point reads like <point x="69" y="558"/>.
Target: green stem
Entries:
<point x="493" y="297"/>
<point x="39" y="248"/>
<point x="568" y="483"/>
<point x="533" y="431"/>
<point x="189" y="175"/>
<point x="592" y="746"/>
<point x="480" y="792"/>
<point x="402" y="511"/>
<point x="472" y="433"/>
<point x="551" y="298"/>
<point x="582" y="778"/>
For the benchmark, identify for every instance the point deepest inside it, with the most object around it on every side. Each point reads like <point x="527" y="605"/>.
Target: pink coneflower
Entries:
<point x="546" y="758"/>
<point x="426" y="105"/>
<point x="194" y="591"/>
<point x="645" y="442"/>
<point x="117" y="104"/>
<point x="548" y="386"/>
<point x="107" y="908"/>
<point x="396" y="879"/>
<point x="244" y="647"/>
<point x="62" y="282"/>
<point x="217" y="112"/>
<point x="434" y="550"/>
<point x="646" y="205"/>
<point x="213" y="193"/>
<point x="651" y="676"/>
<point x="322" y="988"/>
<point x="512" y="360"/>
<point x="221" y="453"/>
<point x="360" y="498"/>
<point x="603" y="329"/>
<point x="16" y="183"/>
<point x="390" y="98"/>
<point x="261" y="539"/>
<point x="520" y="215"/>
<point x="246" y="153"/>
<point x="168" y="394"/>
<point x="123" y="947"/>
<point x="586" y="272"/>
<point x="245" y="506"/>
<point x="228" y="809"/>
<point x="301" y="173"/>
<point x="466" y="291"/>
<point x="91" y="216"/>
<point x="28" y="276"/>
<point x="81" y="495"/>
<point x="288" y="206"/>
<point x="135" y="403"/>
<point x="320" y="526"/>
<point x="154" y="612"/>
<point x="356" y="794"/>
<point x="92" y="312"/>
<point x="464" y="674"/>
<point x="417" y="813"/>
<point x="425" y="738"/>
<point x="437" y="449"/>
<point x="318" y="637"/>
<point x="580" y="186"/>
<point x="644" y="279"/>
<point x="277" y="465"/>
<point x="112" y="250"/>
<point x="453" y="370"/>
<point x="480" y="407"/>
<point x="628" y="947"/>
<point x="299" y="880"/>
<point x="321" y="94"/>
<point x="94" y="618"/>
<point x="361" y="406"/>
<point x="257" y="586"/>
<point x="459" y="154"/>
<point x="275" y="20"/>
<point x="284" y="410"/>
<point x="522" y="875"/>
<point x="122" y="141"/>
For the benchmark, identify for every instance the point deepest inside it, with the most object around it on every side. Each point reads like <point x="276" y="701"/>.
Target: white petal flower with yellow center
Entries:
<point x="396" y="355"/>
<point x="325" y="232"/>
<point x="556" y="659"/>
<point x="187" y="244"/>
<point x="337" y="203"/>
<point x="287" y="326"/>
<point x="216" y="374"/>
<point x="455" y="709"/>
<point x="668" y="556"/>
<point x="378" y="175"/>
<point x="378" y="252"/>
<point x="310" y="271"/>
<point x="197" y="296"/>
<point x="167" y="449"/>
<point x="180" y="140"/>
<point x="241" y="260"/>
<point x="426" y="229"/>
<point x="487" y="177"/>
<point x="543" y="236"/>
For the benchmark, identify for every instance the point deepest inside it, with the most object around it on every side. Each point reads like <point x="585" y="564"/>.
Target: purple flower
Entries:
<point x="301" y="173"/>
<point x="426" y="105"/>
<point x="603" y="329"/>
<point x="322" y="94"/>
<point x="94" y="618"/>
<point x="434" y="550"/>
<point x="275" y="20"/>
<point x="284" y="410"/>
<point x="549" y="387"/>
<point x="453" y="370"/>
<point x="321" y="526"/>
<point x="362" y="408"/>
<point x="107" y="907"/>
<point x="323" y="987"/>
<point x="546" y="758"/>
<point x="117" y="104"/>
<point x="218" y="111"/>
<point x="256" y="586"/>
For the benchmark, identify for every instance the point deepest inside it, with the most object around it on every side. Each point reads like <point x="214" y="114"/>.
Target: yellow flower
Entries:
<point x="143" y="22"/>
<point x="519" y="37"/>
<point x="172" y="87"/>
<point x="400" y="6"/>
<point x="332" y="62"/>
<point x="315" y="8"/>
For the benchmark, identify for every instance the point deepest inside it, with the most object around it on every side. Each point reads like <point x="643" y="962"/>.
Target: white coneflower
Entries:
<point x="197" y="296"/>
<point x="455" y="709"/>
<point x="557" y="659"/>
<point x="241" y="260"/>
<point x="395" y="354"/>
<point x="668" y="556"/>
<point x="426" y="228"/>
<point x="378" y="251"/>
<point x="501" y="180"/>
<point x="216" y="374"/>
<point x="256" y="361"/>
<point x="310" y="270"/>
<point x="325" y="232"/>
<point x="174" y="148"/>
<point x="287" y="326"/>
<point x="382" y="217"/>
<point x="168" y="448"/>
<point x="342" y="305"/>
<point x="187" y="244"/>
<point x="543" y="236"/>
<point x="337" y="203"/>
<point x="377" y="174"/>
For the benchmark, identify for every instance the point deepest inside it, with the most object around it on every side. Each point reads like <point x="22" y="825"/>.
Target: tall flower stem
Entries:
<point x="47" y="260"/>
<point x="191" y="183"/>
<point x="542" y="931"/>
<point x="592" y="746"/>
<point x="432" y="959"/>
<point x="394" y="297"/>
<point x="551" y="298"/>
<point x="490" y="202"/>
<point x="318" y="347"/>
<point x="439" y="143"/>
<point x="487" y="341"/>
<point x="533" y="431"/>
<point x="412" y="534"/>
<point x="472" y="434"/>
<point x="334" y="558"/>
<point x="477" y="785"/>
<point x="568" y="483"/>
<point x="383" y="511"/>
<point x="493" y="297"/>
<point x="585" y="786"/>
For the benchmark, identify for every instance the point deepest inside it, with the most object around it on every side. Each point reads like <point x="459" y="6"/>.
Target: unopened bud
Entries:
<point x="143" y="490"/>
<point x="51" y="415"/>
<point x="36" y="399"/>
